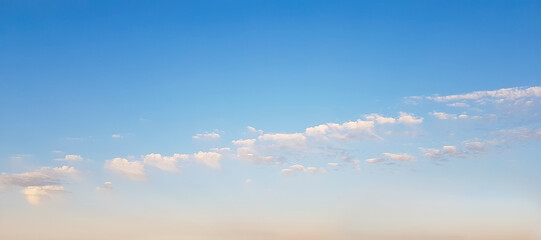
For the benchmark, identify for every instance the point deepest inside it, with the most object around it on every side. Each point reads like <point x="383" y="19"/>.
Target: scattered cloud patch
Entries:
<point x="347" y="130"/>
<point x="133" y="170"/>
<point x="36" y="195"/>
<point x="107" y="186"/>
<point x="501" y="95"/>
<point x="201" y="136"/>
<point x="165" y="163"/>
<point x="41" y="177"/>
<point x="408" y="118"/>
<point x="402" y="157"/>
<point x="297" y="168"/>
<point x="210" y="159"/>
<point x="380" y="119"/>
<point x="116" y="136"/>
<point x="374" y="160"/>
<point x="71" y="158"/>
<point x="253" y="130"/>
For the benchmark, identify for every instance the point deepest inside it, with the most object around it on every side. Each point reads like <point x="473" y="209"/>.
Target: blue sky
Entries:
<point x="285" y="116"/>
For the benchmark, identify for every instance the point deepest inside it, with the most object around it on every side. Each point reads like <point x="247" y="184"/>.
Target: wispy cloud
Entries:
<point x="212" y="135"/>
<point x="165" y="163"/>
<point x="402" y="157"/>
<point x="501" y="94"/>
<point x="71" y="158"/>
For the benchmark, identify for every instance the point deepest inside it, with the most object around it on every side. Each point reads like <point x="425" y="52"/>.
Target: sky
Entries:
<point x="267" y="120"/>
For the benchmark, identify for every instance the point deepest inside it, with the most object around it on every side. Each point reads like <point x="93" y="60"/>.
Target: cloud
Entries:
<point x="409" y="118"/>
<point x="501" y="94"/>
<point x="516" y="134"/>
<point x="107" y="186"/>
<point x="224" y="149"/>
<point x="36" y="195"/>
<point x="301" y="169"/>
<point x="374" y="160"/>
<point x="41" y="177"/>
<point x="201" y="136"/>
<point x="286" y="139"/>
<point x="458" y="104"/>
<point x="333" y="164"/>
<point x="244" y="142"/>
<point x="403" y="157"/>
<point x="444" y="116"/>
<point x="211" y="159"/>
<point x="165" y="163"/>
<point x="380" y="119"/>
<point x="347" y="130"/>
<point x="475" y="146"/>
<point x="247" y="151"/>
<point x="116" y="136"/>
<point x="71" y="158"/>
<point x="452" y="151"/>
<point x="448" y="116"/>
<point x="134" y="170"/>
<point x="253" y="130"/>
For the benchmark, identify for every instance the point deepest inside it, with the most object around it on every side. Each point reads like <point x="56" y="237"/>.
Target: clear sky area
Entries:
<point x="270" y="120"/>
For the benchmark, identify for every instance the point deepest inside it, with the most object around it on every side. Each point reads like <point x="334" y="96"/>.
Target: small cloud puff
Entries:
<point x="210" y="159"/>
<point x="300" y="169"/>
<point x="201" y="136"/>
<point x="107" y="186"/>
<point x="402" y="157"/>
<point x="36" y="195"/>
<point x="165" y="163"/>
<point x="134" y="170"/>
<point x="71" y="158"/>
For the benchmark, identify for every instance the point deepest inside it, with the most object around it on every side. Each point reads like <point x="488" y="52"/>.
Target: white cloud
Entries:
<point x="36" y="195"/>
<point x="71" y="158"/>
<point x="224" y="149"/>
<point x="248" y="151"/>
<point x="300" y="168"/>
<point x="201" y="136"/>
<point x="501" y="94"/>
<point x="165" y="163"/>
<point x="374" y="160"/>
<point x="409" y="118"/>
<point x="211" y="159"/>
<point x="353" y="129"/>
<point x="286" y="171"/>
<point x="444" y="116"/>
<point x="117" y="136"/>
<point x="284" y="138"/>
<point x="444" y="152"/>
<point x="380" y="119"/>
<point x="134" y="170"/>
<point x="253" y="130"/>
<point x="244" y="142"/>
<point x="403" y="157"/>
<point x="458" y="104"/>
<point x="333" y="164"/>
<point x="107" y="186"/>
<point x="476" y="146"/>
<point x="41" y="177"/>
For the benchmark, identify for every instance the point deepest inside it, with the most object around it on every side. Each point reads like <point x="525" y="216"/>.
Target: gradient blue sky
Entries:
<point x="83" y="83"/>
